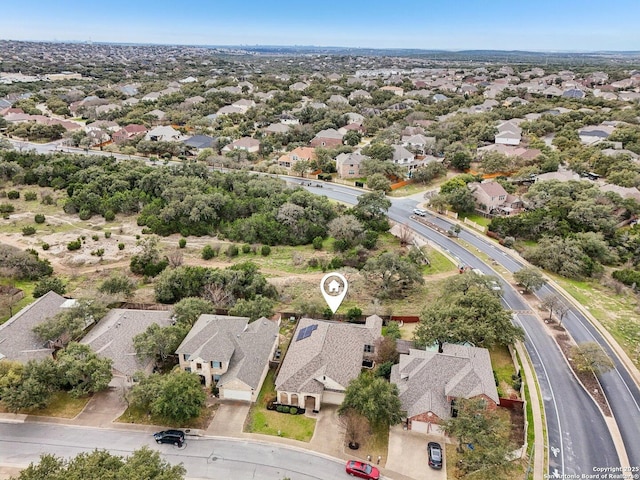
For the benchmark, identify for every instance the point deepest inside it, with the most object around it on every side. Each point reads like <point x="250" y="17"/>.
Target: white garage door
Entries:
<point x="236" y="395"/>
<point x="419" y="427"/>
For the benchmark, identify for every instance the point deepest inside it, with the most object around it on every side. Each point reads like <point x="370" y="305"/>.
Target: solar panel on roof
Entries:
<point x="302" y="334"/>
<point x="313" y="327"/>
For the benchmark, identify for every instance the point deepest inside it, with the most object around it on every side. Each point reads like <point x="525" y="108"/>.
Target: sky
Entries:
<point x="540" y="25"/>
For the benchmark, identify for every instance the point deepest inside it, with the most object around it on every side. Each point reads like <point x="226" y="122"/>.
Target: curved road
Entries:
<point x="579" y="439"/>
<point x="203" y="457"/>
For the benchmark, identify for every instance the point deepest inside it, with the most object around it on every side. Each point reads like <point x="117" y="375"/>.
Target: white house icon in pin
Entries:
<point x="334" y="286"/>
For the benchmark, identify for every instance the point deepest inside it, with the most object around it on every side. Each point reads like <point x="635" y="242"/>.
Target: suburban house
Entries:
<point x="249" y="144"/>
<point x="327" y="138"/>
<point x="348" y="164"/>
<point x="509" y="133"/>
<point x="277" y="128"/>
<point x="230" y="353"/>
<point x="399" y="91"/>
<point x="17" y="340"/>
<point x="323" y="358"/>
<point x="200" y="142"/>
<point x="289" y="159"/>
<point x="430" y="382"/>
<point x="112" y="338"/>
<point x="419" y="143"/>
<point x="592" y="134"/>
<point x="128" y="132"/>
<point x="492" y="199"/>
<point x="164" y="134"/>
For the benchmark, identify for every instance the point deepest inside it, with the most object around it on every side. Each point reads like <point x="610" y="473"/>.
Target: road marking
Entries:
<point x="554" y="450"/>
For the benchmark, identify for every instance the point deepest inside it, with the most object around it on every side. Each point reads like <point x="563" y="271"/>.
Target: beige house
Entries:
<point x="429" y="383"/>
<point x="289" y="159"/>
<point x="323" y="358"/>
<point x="348" y="164"/>
<point x="492" y="199"/>
<point x="230" y="353"/>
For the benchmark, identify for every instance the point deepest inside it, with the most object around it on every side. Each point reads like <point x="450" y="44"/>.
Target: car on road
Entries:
<point x="174" y="437"/>
<point x="420" y="212"/>
<point x="362" y="470"/>
<point x="435" y="455"/>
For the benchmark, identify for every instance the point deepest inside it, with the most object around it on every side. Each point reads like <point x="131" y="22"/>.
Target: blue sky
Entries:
<point x="430" y="24"/>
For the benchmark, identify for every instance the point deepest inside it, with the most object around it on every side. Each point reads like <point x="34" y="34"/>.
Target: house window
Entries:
<point x="198" y="366"/>
<point x="502" y="197"/>
<point x="216" y="364"/>
<point x="352" y="172"/>
<point x="369" y="348"/>
<point x="216" y="378"/>
<point x="186" y="357"/>
<point x="187" y="369"/>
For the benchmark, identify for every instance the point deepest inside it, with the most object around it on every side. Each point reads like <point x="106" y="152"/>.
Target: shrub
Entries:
<point x="85" y="214"/>
<point x="293" y="411"/>
<point x="13" y="195"/>
<point x="313" y="262"/>
<point x="26" y="231"/>
<point x="279" y="408"/>
<point x="48" y="284"/>
<point x="335" y="263"/>
<point x="317" y="243"/>
<point x="182" y="242"/>
<point x="45" y="246"/>
<point x="98" y="253"/>
<point x="232" y="251"/>
<point x="74" y="245"/>
<point x="107" y="234"/>
<point x="39" y="218"/>
<point x="109" y="216"/>
<point x="95" y="238"/>
<point x="6" y="208"/>
<point x="30" y="196"/>
<point x="285" y="409"/>
<point x="208" y="252"/>
<point x="627" y="276"/>
<point x="508" y="242"/>
<point x="353" y="314"/>
<point x="246" y="248"/>
<point x="121" y="246"/>
<point x="265" y="250"/>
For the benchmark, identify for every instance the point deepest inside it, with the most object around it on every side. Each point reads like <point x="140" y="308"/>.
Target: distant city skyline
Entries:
<point x="544" y="25"/>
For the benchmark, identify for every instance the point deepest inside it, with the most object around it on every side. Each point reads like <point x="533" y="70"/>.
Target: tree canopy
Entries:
<point x="374" y="398"/>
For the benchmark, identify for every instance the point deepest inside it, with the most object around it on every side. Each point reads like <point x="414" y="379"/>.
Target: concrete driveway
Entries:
<point x="229" y="419"/>
<point x="408" y="454"/>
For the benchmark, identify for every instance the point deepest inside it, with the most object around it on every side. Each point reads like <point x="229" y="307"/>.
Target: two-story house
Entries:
<point x="492" y="199"/>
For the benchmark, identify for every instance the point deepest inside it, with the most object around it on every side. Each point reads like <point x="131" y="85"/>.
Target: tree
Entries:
<point x="460" y="160"/>
<point x="379" y="183"/>
<point x="530" y="278"/>
<point x="352" y="138"/>
<point x="255" y="308"/>
<point x="159" y="342"/>
<point x="177" y="397"/>
<point x="374" y="398"/>
<point x="301" y="167"/>
<point x="346" y="228"/>
<point x="392" y="330"/>
<point x="142" y="464"/>
<point x="28" y="386"/>
<point x="476" y="316"/>
<point x="47" y="284"/>
<point x="189" y="309"/>
<point x="590" y="357"/>
<point x="356" y="427"/>
<point x="386" y="350"/>
<point x="554" y="303"/>
<point x="429" y="172"/>
<point x="378" y="151"/>
<point x="148" y="261"/>
<point x="70" y="323"/>
<point x="372" y="209"/>
<point x="116" y="284"/>
<point x="83" y="370"/>
<point x="486" y="431"/>
<point x="393" y="274"/>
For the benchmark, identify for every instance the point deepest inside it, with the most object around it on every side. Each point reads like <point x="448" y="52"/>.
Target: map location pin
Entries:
<point x="334" y="288"/>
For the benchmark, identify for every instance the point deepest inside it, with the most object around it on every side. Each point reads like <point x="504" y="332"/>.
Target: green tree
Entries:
<point x="180" y="397"/>
<point x="189" y="309"/>
<point x="530" y="278"/>
<point x="71" y="323"/>
<point x="374" y="398"/>
<point x="28" y="386"/>
<point x="460" y="160"/>
<point x="142" y="464"/>
<point x="83" y="370"/>
<point x="352" y="138"/>
<point x="487" y="432"/>
<point x="255" y="308"/>
<point x="379" y="183"/>
<point x="118" y="284"/>
<point x="392" y="274"/>
<point x="371" y="209"/>
<point x="47" y="284"/>
<point x="158" y="342"/>
<point x="590" y="357"/>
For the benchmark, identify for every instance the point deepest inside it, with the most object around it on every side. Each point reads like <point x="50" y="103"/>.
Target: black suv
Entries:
<point x="435" y="455"/>
<point x="175" y="437"/>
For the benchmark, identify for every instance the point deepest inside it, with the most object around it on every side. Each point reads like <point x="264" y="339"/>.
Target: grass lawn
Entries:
<point x="269" y="422"/>
<point x="503" y="367"/>
<point x="407" y="190"/>
<point x="61" y="405"/>
<point x="140" y="416"/>
<point x="479" y="219"/>
<point x="27" y="287"/>
<point x="616" y="312"/>
<point x="439" y="263"/>
<point x="377" y="444"/>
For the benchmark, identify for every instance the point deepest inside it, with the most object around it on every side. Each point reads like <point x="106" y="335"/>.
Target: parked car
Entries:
<point x="420" y="212"/>
<point x="175" y="437"/>
<point x="435" y="455"/>
<point x="362" y="470"/>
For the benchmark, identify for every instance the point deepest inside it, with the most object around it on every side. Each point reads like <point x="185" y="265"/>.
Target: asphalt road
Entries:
<point x="210" y="458"/>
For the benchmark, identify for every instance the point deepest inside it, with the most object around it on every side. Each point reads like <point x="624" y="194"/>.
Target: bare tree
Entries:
<point x="356" y="427"/>
<point x="219" y="295"/>
<point x="175" y="258"/>
<point x="554" y="303"/>
<point x="405" y="235"/>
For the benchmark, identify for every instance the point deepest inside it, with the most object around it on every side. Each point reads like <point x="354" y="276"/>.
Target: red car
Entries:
<point x="362" y="470"/>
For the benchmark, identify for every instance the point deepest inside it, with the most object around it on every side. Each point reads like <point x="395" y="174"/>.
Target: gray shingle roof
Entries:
<point x="334" y="350"/>
<point x="17" y="340"/>
<point x="211" y="337"/>
<point x="426" y="378"/>
<point x="113" y="336"/>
